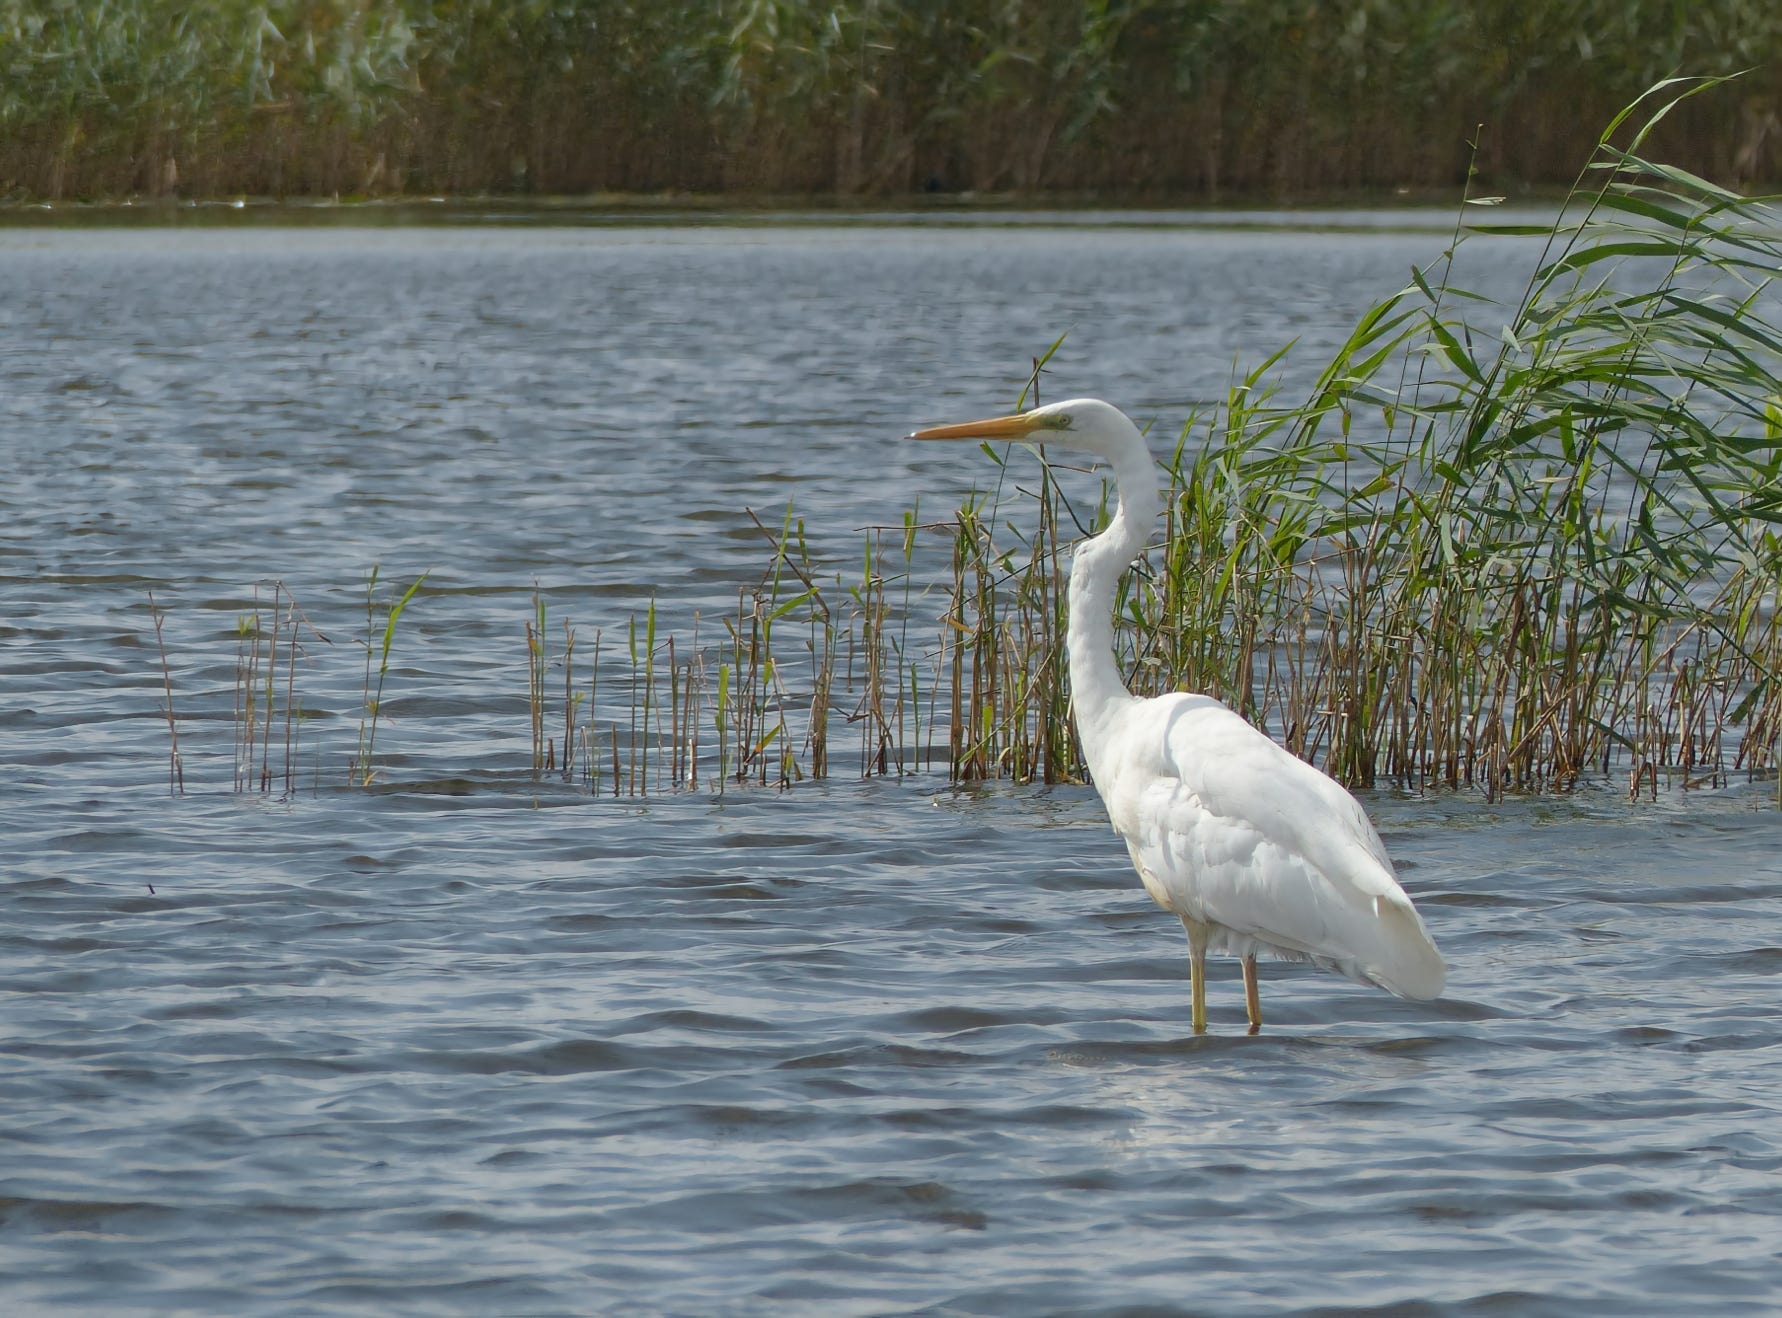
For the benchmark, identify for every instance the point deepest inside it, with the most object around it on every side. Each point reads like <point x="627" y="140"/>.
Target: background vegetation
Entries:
<point x="857" y="98"/>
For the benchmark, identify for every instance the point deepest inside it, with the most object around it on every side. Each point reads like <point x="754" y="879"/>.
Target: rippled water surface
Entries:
<point x="471" y="1043"/>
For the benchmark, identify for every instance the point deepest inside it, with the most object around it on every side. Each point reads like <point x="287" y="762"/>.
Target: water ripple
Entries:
<point x="470" y="1043"/>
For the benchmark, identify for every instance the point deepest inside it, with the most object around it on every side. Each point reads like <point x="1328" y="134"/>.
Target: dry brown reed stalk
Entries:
<point x="571" y="702"/>
<point x="643" y="704"/>
<point x="248" y="638"/>
<point x="292" y="715"/>
<point x="581" y="737"/>
<point x="675" y="713"/>
<point x="537" y="670"/>
<point x="615" y="755"/>
<point x="696" y="689"/>
<point x="689" y="706"/>
<point x="753" y="665"/>
<point x="1761" y="707"/>
<point x="257" y="707"/>
<point x="176" y="769"/>
<point x="870" y="646"/>
<point x="297" y="624"/>
<point x="878" y="708"/>
<point x="270" y="686"/>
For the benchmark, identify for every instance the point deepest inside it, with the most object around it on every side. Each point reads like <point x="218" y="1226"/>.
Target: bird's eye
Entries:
<point x="1059" y="421"/>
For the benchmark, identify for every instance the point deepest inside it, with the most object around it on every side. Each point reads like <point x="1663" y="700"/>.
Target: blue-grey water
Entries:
<point x="468" y="1042"/>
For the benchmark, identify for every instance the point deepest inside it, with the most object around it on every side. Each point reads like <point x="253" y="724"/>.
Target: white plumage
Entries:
<point x="1254" y="849"/>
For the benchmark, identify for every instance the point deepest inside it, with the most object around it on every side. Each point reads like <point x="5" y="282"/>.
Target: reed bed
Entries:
<point x="852" y="98"/>
<point x="1495" y="548"/>
<point x="1505" y="547"/>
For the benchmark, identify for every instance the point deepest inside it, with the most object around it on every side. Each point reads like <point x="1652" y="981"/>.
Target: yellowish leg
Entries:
<point x="1252" y="996"/>
<point x="1197" y="971"/>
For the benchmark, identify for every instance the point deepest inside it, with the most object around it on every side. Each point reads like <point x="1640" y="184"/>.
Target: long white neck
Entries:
<point x="1097" y="691"/>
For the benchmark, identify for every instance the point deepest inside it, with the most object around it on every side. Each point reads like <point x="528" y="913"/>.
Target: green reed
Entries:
<point x="887" y="681"/>
<point x="764" y="691"/>
<point x="361" y="771"/>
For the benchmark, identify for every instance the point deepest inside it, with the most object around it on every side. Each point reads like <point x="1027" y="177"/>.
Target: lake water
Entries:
<point x="470" y="1042"/>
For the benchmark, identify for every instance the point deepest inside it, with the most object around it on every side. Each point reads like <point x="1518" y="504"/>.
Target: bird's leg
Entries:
<point x="1252" y="997"/>
<point x="1198" y="935"/>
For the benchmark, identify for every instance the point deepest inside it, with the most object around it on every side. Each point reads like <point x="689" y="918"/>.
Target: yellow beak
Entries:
<point x="1019" y="426"/>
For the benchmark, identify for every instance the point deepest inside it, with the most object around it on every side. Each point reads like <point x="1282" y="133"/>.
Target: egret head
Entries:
<point x="1086" y="424"/>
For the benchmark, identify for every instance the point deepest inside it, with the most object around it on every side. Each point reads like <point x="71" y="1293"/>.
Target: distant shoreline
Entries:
<point x="1427" y="211"/>
<point x="1274" y="102"/>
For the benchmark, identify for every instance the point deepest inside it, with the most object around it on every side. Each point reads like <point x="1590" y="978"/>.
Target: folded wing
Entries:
<point x="1242" y="835"/>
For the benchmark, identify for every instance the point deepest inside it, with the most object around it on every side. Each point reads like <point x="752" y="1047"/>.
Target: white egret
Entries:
<point x="1254" y="849"/>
